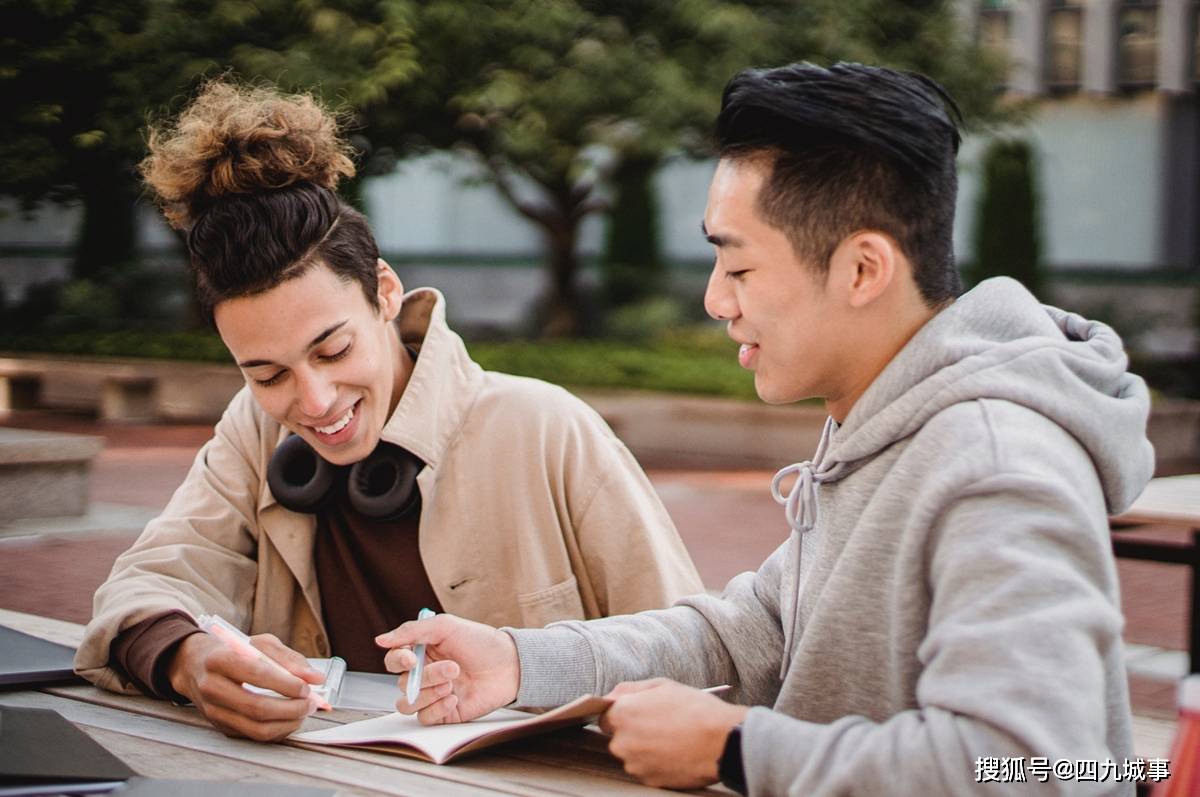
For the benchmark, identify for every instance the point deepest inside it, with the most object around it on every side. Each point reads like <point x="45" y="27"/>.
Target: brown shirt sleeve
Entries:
<point x="143" y="651"/>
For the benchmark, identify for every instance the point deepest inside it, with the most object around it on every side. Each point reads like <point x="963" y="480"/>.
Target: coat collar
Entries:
<point x="442" y="386"/>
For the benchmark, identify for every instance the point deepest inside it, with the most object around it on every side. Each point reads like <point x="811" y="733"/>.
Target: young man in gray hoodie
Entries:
<point x="948" y="593"/>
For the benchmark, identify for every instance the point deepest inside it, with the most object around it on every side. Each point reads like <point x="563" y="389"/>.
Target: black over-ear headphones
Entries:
<point x="383" y="486"/>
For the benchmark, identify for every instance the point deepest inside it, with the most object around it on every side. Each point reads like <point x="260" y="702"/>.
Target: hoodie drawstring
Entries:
<point x="801" y="507"/>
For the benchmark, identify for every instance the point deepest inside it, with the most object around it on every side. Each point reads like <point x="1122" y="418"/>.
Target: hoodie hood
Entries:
<point x="998" y="342"/>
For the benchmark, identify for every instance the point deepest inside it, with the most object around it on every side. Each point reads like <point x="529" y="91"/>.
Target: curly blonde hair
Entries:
<point x="236" y="139"/>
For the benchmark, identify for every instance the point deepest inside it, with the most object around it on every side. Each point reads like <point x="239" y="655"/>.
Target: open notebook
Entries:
<point x="348" y="689"/>
<point x="404" y="735"/>
<point x="401" y="734"/>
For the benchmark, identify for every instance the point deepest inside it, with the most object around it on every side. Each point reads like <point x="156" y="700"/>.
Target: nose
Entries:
<point x="719" y="300"/>
<point x="315" y="394"/>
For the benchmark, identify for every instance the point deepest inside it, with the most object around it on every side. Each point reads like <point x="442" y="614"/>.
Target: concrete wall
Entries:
<point x="437" y="205"/>
<point x="1100" y="166"/>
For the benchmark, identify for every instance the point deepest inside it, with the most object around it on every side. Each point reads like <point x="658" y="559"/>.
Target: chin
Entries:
<point x="345" y="454"/>
<point x="776" y="394"/>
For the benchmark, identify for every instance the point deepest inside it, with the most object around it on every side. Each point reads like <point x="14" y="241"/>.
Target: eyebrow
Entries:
<point x="315" y="342"/>
<point x="718" y="240"/>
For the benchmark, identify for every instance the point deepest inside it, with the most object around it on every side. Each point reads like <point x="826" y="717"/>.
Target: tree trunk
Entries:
<point x="108" y="237"/>
<point x="561" y="316"/>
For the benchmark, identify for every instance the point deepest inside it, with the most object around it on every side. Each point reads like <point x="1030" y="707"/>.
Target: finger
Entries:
<point x="220" y="692"/>
<point x="606" y="724"/>
<point x="426" y="697"/>
<point x="633" y="687"/>
<point x="240" y="725"/>
<point x="416" y="632"/>
<point x="257" y="672"/>
<point x="437" y="672"/>
<point x="293" y="661"/>
<point x="399" y="660"/>
<point x="439" y="712"/>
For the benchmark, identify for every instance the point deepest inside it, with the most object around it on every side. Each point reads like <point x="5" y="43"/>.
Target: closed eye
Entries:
<point x="737" y="275"/>
<point x="339" y="355"/>
<point x="274" y="380"/>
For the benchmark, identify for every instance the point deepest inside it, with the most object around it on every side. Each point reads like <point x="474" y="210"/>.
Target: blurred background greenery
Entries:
<point x="567" y="110"/>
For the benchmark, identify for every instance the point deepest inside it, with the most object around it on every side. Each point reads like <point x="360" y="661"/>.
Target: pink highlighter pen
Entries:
<point x="240" y="644"/>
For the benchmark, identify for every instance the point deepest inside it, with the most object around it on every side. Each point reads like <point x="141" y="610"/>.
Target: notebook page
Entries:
<point x="438" y="742"/>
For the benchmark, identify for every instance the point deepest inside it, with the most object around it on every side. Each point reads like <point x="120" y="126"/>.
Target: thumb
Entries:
<point x="633" y="687"/>
<point x="292" y="661"/>
<point x="414" y="632"/>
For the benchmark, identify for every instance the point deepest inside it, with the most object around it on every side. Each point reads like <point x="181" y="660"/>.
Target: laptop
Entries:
<point x="42" y="753"/>
<point x="29" y="661"/>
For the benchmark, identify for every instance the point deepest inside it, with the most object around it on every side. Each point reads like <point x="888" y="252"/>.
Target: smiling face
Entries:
<point x="319" y="359"/>
<point x="776" y="306"/>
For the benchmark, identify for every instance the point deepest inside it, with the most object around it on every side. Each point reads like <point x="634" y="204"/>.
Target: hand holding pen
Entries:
<point x="468" y="669"/>
<point x="211" y="672"/>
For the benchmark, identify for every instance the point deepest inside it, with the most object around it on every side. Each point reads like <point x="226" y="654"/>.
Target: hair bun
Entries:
<point x="235" y="139"/>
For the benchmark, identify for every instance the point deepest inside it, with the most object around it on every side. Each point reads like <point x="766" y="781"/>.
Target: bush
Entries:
<point x="699" y="361"/>
<point x="1007" y="232"/>
<point x="632" y="267"/>
<point x="618" y="365"/>
<point x="648" y="319"/>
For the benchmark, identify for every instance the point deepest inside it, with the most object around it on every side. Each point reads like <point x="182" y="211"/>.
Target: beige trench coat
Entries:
<point x="533" y="511"/>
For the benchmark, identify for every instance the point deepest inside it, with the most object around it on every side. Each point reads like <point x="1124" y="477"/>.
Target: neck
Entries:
<point x="872" y="354"/>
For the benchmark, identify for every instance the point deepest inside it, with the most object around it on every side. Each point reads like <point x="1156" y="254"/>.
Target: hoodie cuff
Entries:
<point x="776" y="750"/>
<point x="557" y="666"/>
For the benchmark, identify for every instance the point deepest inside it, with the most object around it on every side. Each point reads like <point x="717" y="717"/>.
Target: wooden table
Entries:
<point x="1169" y="501"/>
<point x="160" y="740"/>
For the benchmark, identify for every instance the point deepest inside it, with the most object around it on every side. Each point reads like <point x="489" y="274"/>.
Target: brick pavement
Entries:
<point x="142" y="464"/>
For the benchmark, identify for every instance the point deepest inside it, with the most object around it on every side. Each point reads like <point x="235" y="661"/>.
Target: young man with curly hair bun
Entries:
<point x="369" y="468"/>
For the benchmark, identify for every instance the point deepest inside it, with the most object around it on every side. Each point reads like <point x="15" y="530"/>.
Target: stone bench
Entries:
<point x="124" y="392"/>
<point x="44" y="474"/>
<point x="128" y="390"/>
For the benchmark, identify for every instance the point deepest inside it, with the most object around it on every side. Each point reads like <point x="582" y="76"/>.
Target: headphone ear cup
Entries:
<point x="299" y="478"/>
<point x="384" y="485"/>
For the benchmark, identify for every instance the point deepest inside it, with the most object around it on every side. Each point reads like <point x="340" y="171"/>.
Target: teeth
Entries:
<point x="745" y="348"/>
<point x="338" y="425"/>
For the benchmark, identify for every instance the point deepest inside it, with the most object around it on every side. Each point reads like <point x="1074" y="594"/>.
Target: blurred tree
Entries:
<point x="73" y="80"/>
<point x="78" y="80"/>
<point x="551" y="98"/>
<point x="1007" y="236"/>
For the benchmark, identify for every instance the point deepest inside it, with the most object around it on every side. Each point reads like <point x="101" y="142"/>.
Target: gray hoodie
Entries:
<point x="948" y="592"/>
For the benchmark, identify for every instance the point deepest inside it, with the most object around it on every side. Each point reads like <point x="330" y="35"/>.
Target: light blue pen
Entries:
<point x="414" y="679"/>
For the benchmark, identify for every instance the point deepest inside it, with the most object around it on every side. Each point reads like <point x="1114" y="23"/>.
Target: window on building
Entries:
<point x="1064" y="44"/>
<point x="995" y="27"/>
<point x="1137" y="43"/>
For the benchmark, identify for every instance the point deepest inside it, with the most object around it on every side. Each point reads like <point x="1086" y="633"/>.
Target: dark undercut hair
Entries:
<point x="852" y="148"/>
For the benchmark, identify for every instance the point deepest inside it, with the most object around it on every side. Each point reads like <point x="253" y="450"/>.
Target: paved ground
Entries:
<point x="726" y="518"/>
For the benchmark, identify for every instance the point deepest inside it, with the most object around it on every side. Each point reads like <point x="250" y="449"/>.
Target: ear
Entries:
<point x="866" y="264"/>
<point x="391" y="290"/>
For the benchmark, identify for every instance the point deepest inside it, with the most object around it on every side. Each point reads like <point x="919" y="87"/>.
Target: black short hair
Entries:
<point x="853" y="147"/>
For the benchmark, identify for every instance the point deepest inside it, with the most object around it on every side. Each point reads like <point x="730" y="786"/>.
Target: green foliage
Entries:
<point x="645" y="320"/>
<point x="698" y="361"/>
<point x="78" y="81"/>
<point x="546" y="95"/>
<point x="604" y="364"/>
<point x="632" y="268"/>
<point x="196" y="345"/>
<point x="1007" y="234"/>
